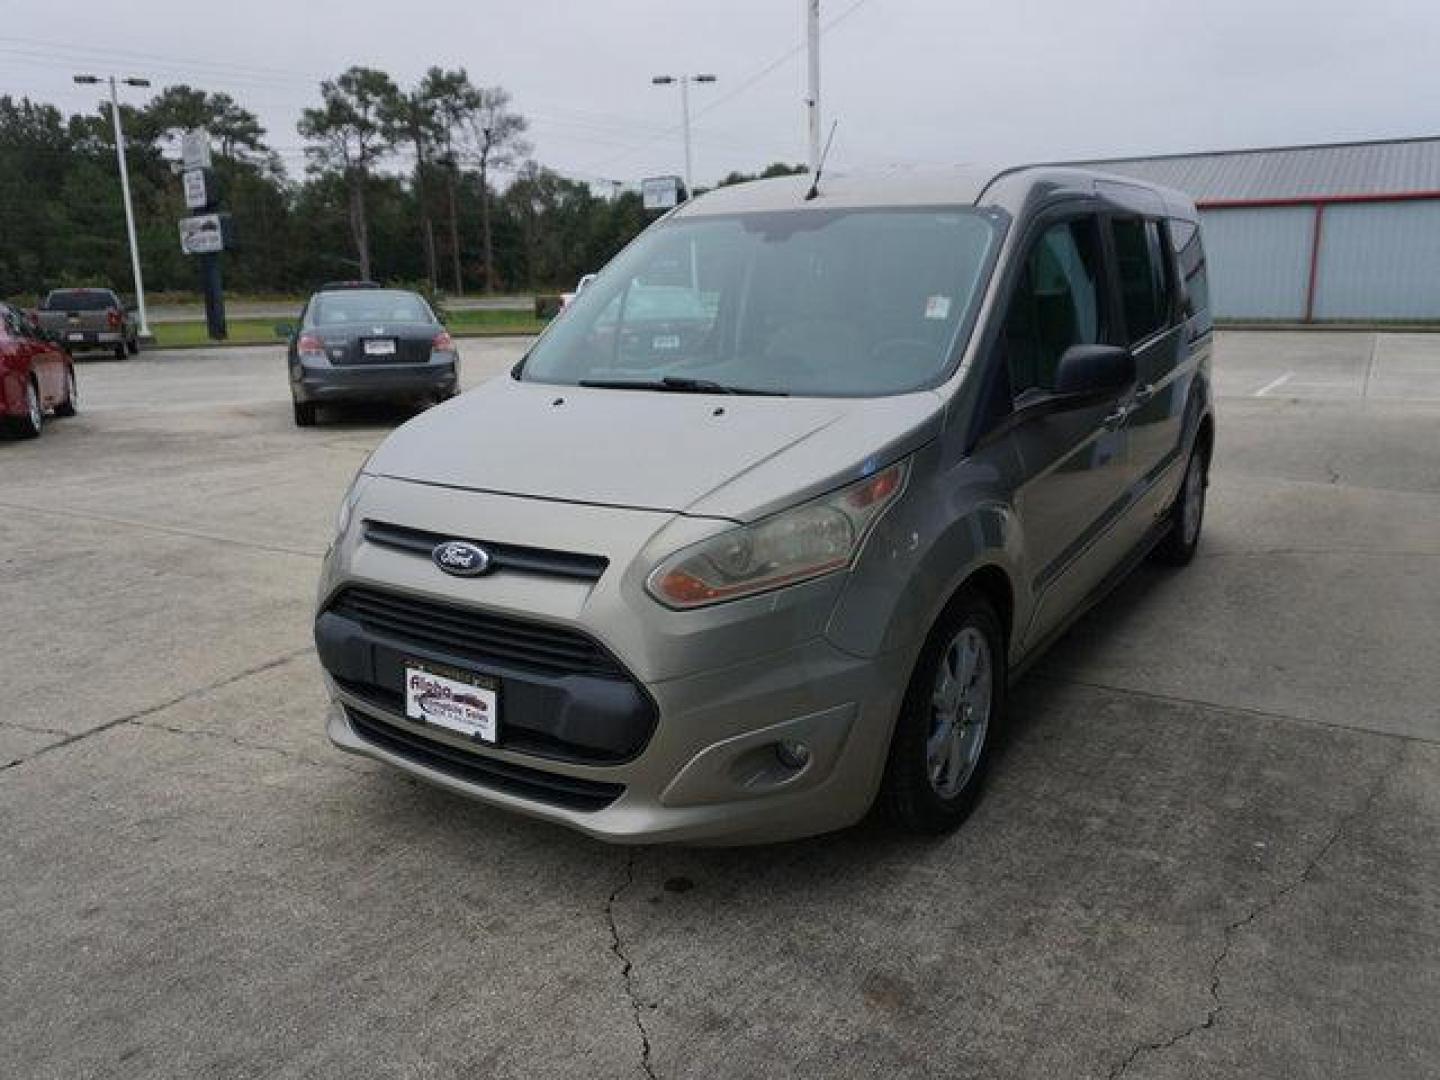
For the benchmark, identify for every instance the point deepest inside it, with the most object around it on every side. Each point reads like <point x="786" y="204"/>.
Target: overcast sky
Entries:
<point x="918" y="81"/>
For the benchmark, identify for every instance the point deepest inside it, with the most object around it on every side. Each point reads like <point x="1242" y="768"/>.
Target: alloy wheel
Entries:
<point x="960" y="712"/>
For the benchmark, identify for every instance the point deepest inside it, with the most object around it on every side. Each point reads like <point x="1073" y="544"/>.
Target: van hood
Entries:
<point x="711" y="455"/>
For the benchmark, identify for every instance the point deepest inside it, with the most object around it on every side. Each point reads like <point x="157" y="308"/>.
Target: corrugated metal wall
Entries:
<point x="1259" y="261"/>
<point x="1379" y="261"/>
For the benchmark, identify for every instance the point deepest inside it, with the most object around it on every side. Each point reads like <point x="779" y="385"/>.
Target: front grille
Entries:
<point x="502" y="556"/>
<point x="479" y="637"/>
<point x="568" y="792"/>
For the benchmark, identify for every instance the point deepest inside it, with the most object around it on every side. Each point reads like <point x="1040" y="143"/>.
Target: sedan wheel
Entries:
<point x="71" y="405"/>
<point x="28" y="424"/>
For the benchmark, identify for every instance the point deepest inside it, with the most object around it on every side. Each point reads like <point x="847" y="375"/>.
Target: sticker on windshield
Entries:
<point x="937" y="307"/>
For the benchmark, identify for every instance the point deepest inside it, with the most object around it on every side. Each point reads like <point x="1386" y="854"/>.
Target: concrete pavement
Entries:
<point x="1210" y="849"/>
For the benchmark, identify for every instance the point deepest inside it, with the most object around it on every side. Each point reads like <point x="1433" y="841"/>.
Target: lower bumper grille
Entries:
<point x="566" y="792"/>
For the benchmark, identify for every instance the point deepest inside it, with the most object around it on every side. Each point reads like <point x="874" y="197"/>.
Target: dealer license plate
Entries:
<point x="454" y="700"/>
<point x="77" y="337"/>
<point x="380" y="347"/>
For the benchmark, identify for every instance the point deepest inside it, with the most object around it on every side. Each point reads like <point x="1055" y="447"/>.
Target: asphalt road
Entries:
<point x="1210" y="849"/>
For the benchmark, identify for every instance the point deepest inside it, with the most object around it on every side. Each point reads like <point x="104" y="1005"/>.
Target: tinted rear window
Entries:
<point x="80" y="300"/>
<point x="367" y="306"/>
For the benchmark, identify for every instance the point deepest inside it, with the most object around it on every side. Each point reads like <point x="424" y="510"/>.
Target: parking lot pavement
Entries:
<point x="1210" y="848"/>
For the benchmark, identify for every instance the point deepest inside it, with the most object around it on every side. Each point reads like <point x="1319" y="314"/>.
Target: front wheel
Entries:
<point x="29" y="423"/>
<point x="71" y="404"/>
<point x="1188" y="512"/>
<point x="305" y="413"/>
<point x="946" y="731"/>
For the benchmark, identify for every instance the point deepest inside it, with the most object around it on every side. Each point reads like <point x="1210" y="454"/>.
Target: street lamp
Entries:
<point x="90" y="80"/>
<point x="684" y="81"/>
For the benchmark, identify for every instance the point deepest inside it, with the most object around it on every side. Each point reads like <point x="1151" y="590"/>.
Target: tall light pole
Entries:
<point x="87" y="80"/>
<point x="684" y="81"/>
<point x="812" y="99"/>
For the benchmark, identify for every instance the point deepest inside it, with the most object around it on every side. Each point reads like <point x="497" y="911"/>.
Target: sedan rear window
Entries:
<point x="368" y="306"/>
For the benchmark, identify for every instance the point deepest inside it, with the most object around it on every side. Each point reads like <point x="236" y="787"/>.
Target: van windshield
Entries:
<point x="806" y="302"/>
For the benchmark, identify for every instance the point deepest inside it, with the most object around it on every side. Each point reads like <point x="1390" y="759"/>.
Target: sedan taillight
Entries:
<point x="115" y="319"/>
<point x="442" y="342"/>
<point x="310" y="345"/>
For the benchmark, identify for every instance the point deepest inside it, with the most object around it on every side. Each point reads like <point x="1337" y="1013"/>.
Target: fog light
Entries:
<point x="792" y="754"/>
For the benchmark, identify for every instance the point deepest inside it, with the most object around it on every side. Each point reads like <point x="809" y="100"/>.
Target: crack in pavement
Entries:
<point x="627" y="966"/>
<point x="151" y="710"/>
<point x="267" y="748"/>
<point x="32" y="729"/>
<point x="1264" y="907"/>
<point x="168" y="530"/>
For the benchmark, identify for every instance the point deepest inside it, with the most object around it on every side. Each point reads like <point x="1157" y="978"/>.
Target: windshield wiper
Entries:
<point x="677" y="384"/>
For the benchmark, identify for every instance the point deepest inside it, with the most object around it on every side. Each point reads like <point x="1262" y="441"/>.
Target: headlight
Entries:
<point x="794" y="545"/>
<point x="347" y="504"/>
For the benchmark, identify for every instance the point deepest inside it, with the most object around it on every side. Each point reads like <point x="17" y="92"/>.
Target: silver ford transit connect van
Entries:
<point x="762" y="527"/>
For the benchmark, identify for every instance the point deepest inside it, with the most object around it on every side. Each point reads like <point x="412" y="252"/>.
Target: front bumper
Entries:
<point x="723" y="685"/>
<point x="709" y="774"/>
<point x="374" y="382"/>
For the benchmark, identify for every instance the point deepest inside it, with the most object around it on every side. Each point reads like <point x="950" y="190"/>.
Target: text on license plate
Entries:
<point x="380" y="347"/>
<point x="452" y="700"/>
<point x="77" y="337"/>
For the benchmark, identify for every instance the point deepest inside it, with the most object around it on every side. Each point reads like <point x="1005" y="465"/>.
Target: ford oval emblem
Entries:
<point x="461" y="558"/>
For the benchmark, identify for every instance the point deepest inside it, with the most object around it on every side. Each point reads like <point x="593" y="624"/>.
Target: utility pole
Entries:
<point x="125" y="191"/>
<point x="684" y="81"/>
<point x="812" y="99"/>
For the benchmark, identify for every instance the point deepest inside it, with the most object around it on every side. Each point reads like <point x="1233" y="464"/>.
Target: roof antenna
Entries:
<point x="820" y="165"/>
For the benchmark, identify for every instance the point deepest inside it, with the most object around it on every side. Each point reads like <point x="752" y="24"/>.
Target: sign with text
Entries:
<point x="197" y="188"/>
<point x="661" y="192"/>
<point x="203" y="234"/>
<point x="195" y="149"/>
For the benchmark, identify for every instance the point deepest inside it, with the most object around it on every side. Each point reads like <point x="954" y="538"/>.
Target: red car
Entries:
<point x="36" y="375"/>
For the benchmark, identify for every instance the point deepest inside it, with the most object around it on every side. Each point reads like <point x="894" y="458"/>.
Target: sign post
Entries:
<point x="205" y="234"/>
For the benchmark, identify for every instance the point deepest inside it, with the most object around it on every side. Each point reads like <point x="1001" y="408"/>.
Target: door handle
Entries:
<point x="1143" y="394"/>
<point x="1115" y="420"/>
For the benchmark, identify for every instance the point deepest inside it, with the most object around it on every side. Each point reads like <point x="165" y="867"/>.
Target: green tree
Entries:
<point x="347" y="134"/>
<point x="411" y="118"/>
<point x="456" y="100"/>
<point x="496" y="137"/>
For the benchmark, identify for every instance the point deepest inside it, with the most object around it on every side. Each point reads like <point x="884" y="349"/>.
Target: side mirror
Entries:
<point x="1091" y="370"/>
<point x="284" y="330"/>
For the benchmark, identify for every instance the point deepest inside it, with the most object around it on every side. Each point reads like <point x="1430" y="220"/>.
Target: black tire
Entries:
<point x="1182" y="538"/>
<point x="305" y="413"/>
<point x="133" y="346"/>
<point x="71" y="405"/>
<point x="908" y="793"/>
<point x="121" y="351"/>
<point x="30" y="424"/>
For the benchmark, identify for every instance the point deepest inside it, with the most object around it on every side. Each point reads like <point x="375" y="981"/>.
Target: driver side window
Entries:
<point x="1057" y="303"/>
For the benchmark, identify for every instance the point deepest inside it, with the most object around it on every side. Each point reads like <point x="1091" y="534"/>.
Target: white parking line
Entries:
<point x="1275" y="384"/>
